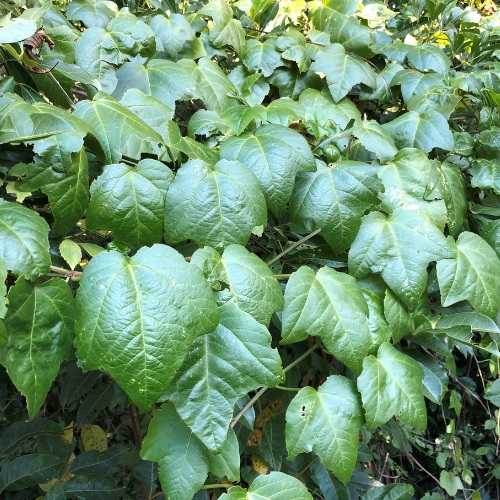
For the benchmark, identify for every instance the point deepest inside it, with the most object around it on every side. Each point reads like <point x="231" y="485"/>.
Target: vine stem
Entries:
<point x="262" y="390"/>
<point x="292" y="246"/>
<point x="66" y="272"/>
<point x="217" y="485"/>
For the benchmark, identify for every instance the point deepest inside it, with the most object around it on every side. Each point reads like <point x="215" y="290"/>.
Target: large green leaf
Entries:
<point x="220" y="368"/>
<point x="262" y="56"/>
<point x="329" y="12"/>
<point x="399" y="247"/>
<point x="159" y="303"/>
<point x="251" y="284"/>
<point x="166" y="81"/>
<point x="120" y="132"/>
<point x="213" y="85"/>
<point x="327" y="422"/>
<point x="292" y="45"/>
<point x="486" y="174"/>
<point x="435" y="99"/>
<point x="320" y="106"/>
<point x="374" y="138"/>
<point x="275" y="486"/>
<point x="30" y="470"/>
<point x="15" y="30"/>
<point x="275" y="154"/>
<point x="329" y="305"/>
<point x="92" y="13"/>
<point x="391" y="384"/>
<point x="63" y="177"/>
<point x="335" y="197"/>
<point x="423" y="131"/>
<point x="214" y="205"/>
<point x="92" y="487"/>
<point x="225" y="29"/>
<point x="354" y="36"/>
<point x="291" y="82"/>
<point x="24" y="244"/>
<point x="98" y="50"/>
<point x="342" y="71"/>
<point x="414" y="82"/>
<point x="454" y="195"/>
<point x="429" y="57"/>
<point x="40" y="328"/>
<point x="184" y="461"/>
<point x="173" y="31"/>
<point x="407" y="180"/>
<point x="241" y="116"/>
<point x="473" y="274"/>
<point x="131" y="202"/>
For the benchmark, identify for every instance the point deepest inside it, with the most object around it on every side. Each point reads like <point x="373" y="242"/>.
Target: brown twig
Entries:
<point x="424" y="470"/>
<point x="307" y="466"/>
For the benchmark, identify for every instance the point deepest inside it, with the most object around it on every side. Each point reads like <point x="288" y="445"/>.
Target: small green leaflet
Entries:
<point x="214" y="205"/>
<point x="473" y="274"/>
<point x="335" y="197"/>
<point x="220" y="368"/>
<point x="399" y="247"/>
<point x="374" y="138"/>
<point x="24" y="244"/>
<point x="131" y="202"/>
<point x="251" y="284"/>
<point x="329" y="305"/>
<point x="40" y="328"/>
<point x="275" y="486"/>
<point x="327" y="421"/>
<point x="183" y="459"/>
<point x="391" y="384"/>
<point x="275" y="154"/>
<point x="159" y="303"/>
<point x="71" y="253"/>
<point x="342" y="71"/>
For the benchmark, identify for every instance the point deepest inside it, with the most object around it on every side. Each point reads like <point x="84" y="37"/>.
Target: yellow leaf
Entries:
<point x="94" y="438"/>
<point x="68" y="433"/>
<point x="259" y="466"/>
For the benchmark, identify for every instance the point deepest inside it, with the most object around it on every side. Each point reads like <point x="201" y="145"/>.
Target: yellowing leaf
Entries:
<point x="94" y="438"/>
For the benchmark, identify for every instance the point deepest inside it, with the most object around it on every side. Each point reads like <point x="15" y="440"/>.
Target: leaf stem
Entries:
<point x="281" y="276"/>
<point x="265" y="388"/>
<point x="215" y="486"/>
<point x="292" y="246"/>
<point x="66" y="272"/>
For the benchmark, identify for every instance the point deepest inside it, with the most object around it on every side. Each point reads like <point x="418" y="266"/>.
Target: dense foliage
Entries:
<point x="249" y="250"/>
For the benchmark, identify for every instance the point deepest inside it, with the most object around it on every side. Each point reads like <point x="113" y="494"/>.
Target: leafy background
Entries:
<point x="249" y="250"/>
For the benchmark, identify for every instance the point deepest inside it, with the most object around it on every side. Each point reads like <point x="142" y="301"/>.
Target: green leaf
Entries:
<point x="455" y="196"/>
<point x="374" y="138"/>
<point x="131" y="202"/>
<point x="184" y="461"/>
<point x="65" y="43"/>
<point x="390" y="492"/>
<point x="63" y="177"/>
<point x="486" y="174"/>
<point x="399" y="247"/>
<point x="423" y="131"/>
<point x="398" y="317"/>
<point x="30" y="470"/>
<point x="240" y="116"/>
<point x="262" y="56"/>
<point x="91" y="249"/>
<point x="330" y="12"/>
<point x="214" y="205"/>
<point x="77" y="384"/>
<point x="335" y="198"/>
<point x="450" y="483"/>
<point x="92" y="13"/>
<point x="292" y="45"/>
<point x="220" y="368"/>
<point x="342" y="71"/>
<point x="491" y="234"/>
<point x="24" y="236"/>
<point x="391" y="384"/>
<point x="92" y="488"/>
<point x="435" y="382"/>
<point x="354" y="36"/>
<point x="206" y="123"/>
<point x="213" y="85"/>
<point x="4" y="302"/>
<point x="161" y="303"/>
<point x="40" y="325"/>
<point x="291" y="82"/>
<point x="99" y="49"/>
<point x="407" y="180"/>
<point x="15" y="30"/>
<point x="285" y="111"/>
<point x="275" y="486"/>
<point x="94" y="463"/>
<point x="492" y="392"/>
<point x="166" y="81"/>
<point x="435" y="99"/>
<point x="330" y="305"/>
<point x="242" y="271"/>
<point x="273" y="441"/>
<point x="327" y="422"/>
<point x="94" y="403"/>
<point x="429" y="57"/>
<point x="120" y="132"/>
<point x="275" y="154"/>
<point x="22" y="430"/>
<point x="320" y="106"/>
<point x="225" y="30"/>
<point x="71" y="253"/>
<point x="173" y="31"/>
<point x="413" y="82"/>
<point x="472" y="274"/>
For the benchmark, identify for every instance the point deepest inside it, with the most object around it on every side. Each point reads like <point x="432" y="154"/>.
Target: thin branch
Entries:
<point x="292" y="246"/>
<point x="424" y="470"/>
<point x="307" y="466"/>
<point x="66" y="272"/>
